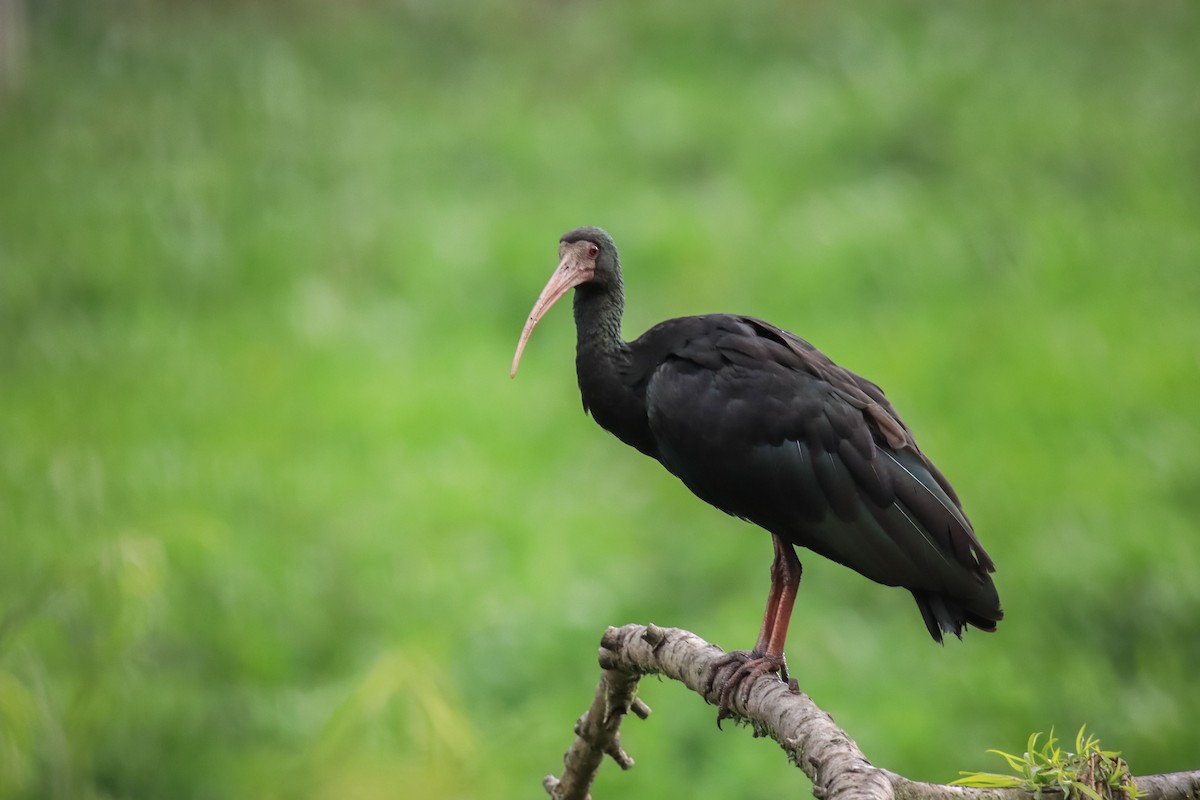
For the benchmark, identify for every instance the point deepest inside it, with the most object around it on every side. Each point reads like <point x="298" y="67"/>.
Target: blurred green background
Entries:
<point x="276" y="523"/>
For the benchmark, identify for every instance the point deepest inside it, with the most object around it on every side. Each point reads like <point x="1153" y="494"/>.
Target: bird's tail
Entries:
<point x="945" y="614"/>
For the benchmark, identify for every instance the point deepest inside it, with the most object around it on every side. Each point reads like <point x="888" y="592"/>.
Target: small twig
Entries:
<point x="826" y="754"/>
<point x="597" y="733"/>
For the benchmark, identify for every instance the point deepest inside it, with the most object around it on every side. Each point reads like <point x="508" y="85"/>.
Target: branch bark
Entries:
<point x="809" y="736"/>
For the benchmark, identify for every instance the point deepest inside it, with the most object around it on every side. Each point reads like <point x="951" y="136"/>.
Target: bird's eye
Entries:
<point x="593" y="250"/>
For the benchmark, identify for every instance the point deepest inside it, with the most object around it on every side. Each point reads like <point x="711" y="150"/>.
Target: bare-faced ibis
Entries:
<point x="759" y="423"/>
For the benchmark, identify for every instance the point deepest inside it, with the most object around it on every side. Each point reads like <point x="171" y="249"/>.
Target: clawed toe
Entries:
<point x="748" y="667"/>
<point x="734" y="658"/>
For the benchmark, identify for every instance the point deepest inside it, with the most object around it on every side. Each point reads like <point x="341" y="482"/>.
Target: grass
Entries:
<point x="276" y="522"/>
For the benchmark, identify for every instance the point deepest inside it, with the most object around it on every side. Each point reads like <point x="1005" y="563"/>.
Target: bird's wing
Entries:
<point x="762" y="425"/>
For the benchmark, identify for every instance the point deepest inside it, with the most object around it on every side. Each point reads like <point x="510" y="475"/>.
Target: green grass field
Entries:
<point x="276" y="523"/>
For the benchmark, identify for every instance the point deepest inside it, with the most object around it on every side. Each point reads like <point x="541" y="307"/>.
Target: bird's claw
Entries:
<point x="748" y="667"/>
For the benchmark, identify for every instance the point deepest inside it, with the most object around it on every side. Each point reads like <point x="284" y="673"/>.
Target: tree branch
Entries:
<point x="809" y="736"/>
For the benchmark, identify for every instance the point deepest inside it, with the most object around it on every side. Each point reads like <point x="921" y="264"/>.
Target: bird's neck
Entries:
<point x="598" y="319"/>
<point x="612" y="390"/>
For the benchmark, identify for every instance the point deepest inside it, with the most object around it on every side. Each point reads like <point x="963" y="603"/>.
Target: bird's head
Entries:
<point x="586" y="255"/>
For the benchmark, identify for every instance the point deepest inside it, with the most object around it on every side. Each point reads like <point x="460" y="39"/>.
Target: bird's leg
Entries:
<point x="785" y="572"/>
<point x="767" y="655"/>
<point x="773" y="595"/>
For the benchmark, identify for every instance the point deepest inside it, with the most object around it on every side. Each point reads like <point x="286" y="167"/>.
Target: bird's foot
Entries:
<point x="741" y="669"/>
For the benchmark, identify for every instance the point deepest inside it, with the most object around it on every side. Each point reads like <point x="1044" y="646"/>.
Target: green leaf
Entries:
<point x="987" y="780"/>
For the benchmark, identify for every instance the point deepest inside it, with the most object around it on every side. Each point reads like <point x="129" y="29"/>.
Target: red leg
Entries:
<point x="768" y="623"/>
<point x="785" y="573"/>
<point x="767" y="655"/>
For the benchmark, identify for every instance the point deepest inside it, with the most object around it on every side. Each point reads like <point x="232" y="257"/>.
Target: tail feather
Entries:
<point x="943" y="614"/>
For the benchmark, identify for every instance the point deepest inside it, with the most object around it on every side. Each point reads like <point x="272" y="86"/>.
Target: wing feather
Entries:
<point x="760" y="424"/>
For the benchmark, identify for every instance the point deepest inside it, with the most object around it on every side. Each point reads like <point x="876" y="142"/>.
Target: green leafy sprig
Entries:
<point x="1088" y="772"/>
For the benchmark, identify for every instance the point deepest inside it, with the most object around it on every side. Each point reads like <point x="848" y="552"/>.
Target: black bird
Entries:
<point x="759" y="423"/>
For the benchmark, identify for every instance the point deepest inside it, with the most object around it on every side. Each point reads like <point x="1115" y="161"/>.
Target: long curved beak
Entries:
<point x="573" y="270"/>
